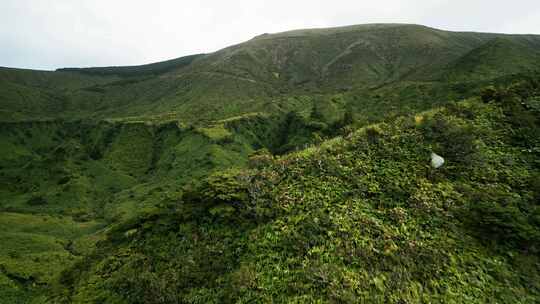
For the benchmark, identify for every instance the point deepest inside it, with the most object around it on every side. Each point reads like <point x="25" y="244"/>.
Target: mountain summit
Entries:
<point x="253" y="76"/>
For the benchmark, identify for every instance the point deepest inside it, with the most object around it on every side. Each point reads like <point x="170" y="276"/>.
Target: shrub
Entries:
<point x="534" y="185"/>
<point x="221" y="193"/>
<point x="523" y="119"/>
<point x="488" y="94"/>
<point x="64" y="180"/>
<point x="373" y="134"/>
<point x="37" y="200"/>
<point x="504" y="217"/>
<point x="454" y="138"/>
<point x="260" y="158"/>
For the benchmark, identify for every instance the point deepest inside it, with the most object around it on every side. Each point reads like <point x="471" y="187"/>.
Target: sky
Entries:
<point x="50" y="34"/>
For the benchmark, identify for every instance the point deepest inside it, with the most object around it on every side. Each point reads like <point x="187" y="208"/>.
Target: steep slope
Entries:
<point x="28" y="94"/>
<point x="359" y="219"/>
<point x="500" y="56"/>
<point x="366" y="55"/>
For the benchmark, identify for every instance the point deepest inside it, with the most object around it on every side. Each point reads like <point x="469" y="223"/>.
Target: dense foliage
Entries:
<point x="360" y="218"/>
<point x="293" y="168"/>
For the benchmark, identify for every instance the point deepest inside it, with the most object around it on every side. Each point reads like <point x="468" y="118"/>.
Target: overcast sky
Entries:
<point x="48" y="34"/>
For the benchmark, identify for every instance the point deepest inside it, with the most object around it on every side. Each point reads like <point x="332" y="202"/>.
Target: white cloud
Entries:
<point x="49" y="34"/>
<point x="528" y="23"/>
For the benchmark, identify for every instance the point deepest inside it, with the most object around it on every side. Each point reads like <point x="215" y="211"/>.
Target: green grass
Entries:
<point x="157" y="183"/>
<point x="498" y="57"/>
<point x="36" y="248"/>
<point x="141" y="70"/>
<point x="216" y="133"/>
<point x="360" y="218"/>
<point x="242" y="79"/>
<point x="59" y="227"/>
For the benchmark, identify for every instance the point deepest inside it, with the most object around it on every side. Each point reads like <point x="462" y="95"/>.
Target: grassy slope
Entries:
<point x="65" y="176"/>
<point x="357" y="219"/>
<point x="500" y="56"/>
<point x="130" y="155"/>
<point x="256" y="75"/>
<point x="151" y="69"/>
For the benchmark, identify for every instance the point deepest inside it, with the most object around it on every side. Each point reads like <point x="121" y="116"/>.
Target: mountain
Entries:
<point x="257" y="75"/>
<point x="293" y="167"/>
<point x="500" y="56"/>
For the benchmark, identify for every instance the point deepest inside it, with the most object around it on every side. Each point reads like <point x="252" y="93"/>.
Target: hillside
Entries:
<point x="261" y="74"/>
<point x="360" y="218"/>
<point x="293" y="167"/>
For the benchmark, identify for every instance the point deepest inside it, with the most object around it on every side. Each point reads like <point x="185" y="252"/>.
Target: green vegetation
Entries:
<point x="137" y="71"/>
<point x="360" y="218"/>
<point x="383" y="66"/>
<point x="292" y="168"/>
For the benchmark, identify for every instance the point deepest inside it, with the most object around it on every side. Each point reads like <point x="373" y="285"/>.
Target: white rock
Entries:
<point x="436" y="160"/>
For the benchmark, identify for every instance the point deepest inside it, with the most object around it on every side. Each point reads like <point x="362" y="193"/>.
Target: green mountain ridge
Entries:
<point x="498" y="57"/>
<point x="249" y="77"/>
<point x="291" y="168"/>
<point x="138" y="70"/>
